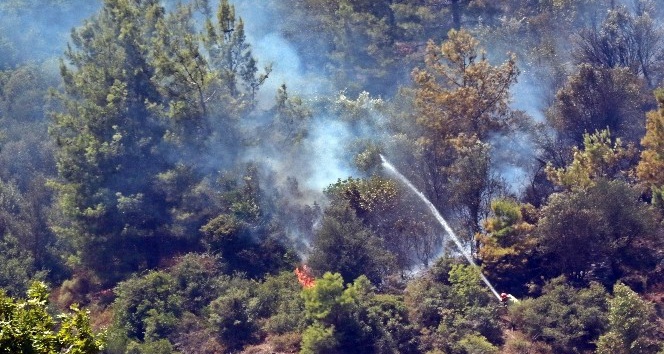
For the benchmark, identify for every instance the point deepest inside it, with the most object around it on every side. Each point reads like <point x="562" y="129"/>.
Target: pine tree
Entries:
<point x="147" y="93"/>
<point x="108" y="140"/>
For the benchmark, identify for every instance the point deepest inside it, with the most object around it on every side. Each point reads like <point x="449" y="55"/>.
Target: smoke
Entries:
<point x="513" y="159"/>
<point x="324" y="155"/>
<point x="330" y="160"/>
<point x="286" y="68"/>
<point x="39" y="30"/>
<point x="263" y="30"/>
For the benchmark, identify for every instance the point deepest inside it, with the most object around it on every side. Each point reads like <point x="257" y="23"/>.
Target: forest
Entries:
<point x="332" y="176"/>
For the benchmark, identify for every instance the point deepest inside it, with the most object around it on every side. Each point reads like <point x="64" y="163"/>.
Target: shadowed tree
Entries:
<point x="343" y="244"/>
<point x="568" y="319"/>
<point x="594" y="99"/>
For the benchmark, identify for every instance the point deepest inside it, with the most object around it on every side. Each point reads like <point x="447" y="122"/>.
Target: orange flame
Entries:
<point x="304" y="276"/>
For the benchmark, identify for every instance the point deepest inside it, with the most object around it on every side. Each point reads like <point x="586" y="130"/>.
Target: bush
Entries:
<point x="568" y="319"/>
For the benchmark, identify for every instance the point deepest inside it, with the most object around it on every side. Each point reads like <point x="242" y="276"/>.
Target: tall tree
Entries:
<point x="650" y="169"/>
<point x="108" y="140"/>
<point x="460" y="100"/>
<point x="147" y="92"/>
<point x="609" y="222"/>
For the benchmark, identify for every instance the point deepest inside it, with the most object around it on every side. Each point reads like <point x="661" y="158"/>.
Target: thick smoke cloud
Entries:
<point x="323" y="158"/>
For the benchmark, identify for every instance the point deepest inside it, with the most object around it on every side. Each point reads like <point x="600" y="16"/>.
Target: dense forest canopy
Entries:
<point x="331" y="176"/>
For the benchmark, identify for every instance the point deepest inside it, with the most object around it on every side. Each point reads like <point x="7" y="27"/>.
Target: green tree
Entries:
<point x="26" y="154"/>
<point x="26" y="326"/>
<point x="105" y="132"/>
<point x="607" y="221"/>
<point x="142" y="87"/>
<point x="197" y="280"/>
<point x="568" y="319"/>
<point x="282" y="303"/>
<point x="379" y="204"/>
<point x="632" y="325"/>
<point x="343" y="244"/>
<point x="147" y="307"/>
<point x="601" y="157"/>
<point x="453" y="309"/>
<point x="319" y="339"/>
<point x="651" y="164"/>
<point x="350" y="319"/>
<point x="233" y="316"/>
<point x="508" y="248"/>
<point x="391" y="327"/>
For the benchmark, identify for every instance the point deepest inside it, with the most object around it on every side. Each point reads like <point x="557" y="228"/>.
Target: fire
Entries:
<point x="304" y="276"/>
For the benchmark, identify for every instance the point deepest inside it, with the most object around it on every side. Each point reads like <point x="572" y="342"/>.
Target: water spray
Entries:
<point x="440" y="219"/>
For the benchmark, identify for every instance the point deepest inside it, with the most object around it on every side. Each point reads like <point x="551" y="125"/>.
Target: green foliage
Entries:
<point x="568" y="319"/>
<point x="141" y="85"/>
<point x="324" y="299"/>
<point x="600" y="158"/>
<point x="363" y="39"/>
<point x="155" y="116"/>
<point x="26" y="159"/>
<point x="162" y="346"/>
<point x="345" y="245"/>
<point x="318" y="339"/>
<point x="282" y="306"/>
<point x="16" y="267"/>
<point x="651" y="164"/>
<point x="607" y="221"/>
<point x="632" y="325"/>
<point x="475" y="344"/>
<point x="147" y="307"/>
<point x="26" y="326"/>
<point x="223" y="233"/>
<point x="192" y="305"/>
<point x="459" y="99"/>
<point x="381" y="205"/>
<point x="196" y="279"/>
<point x="364" y="196"/>
<point x="389" y="316"/>
<point x="451" y="303"/>
<point x="354" y="319"/>
<point x="233" y="316"/>
<point x="292" y="118"/>
<point x="507" y="250"/>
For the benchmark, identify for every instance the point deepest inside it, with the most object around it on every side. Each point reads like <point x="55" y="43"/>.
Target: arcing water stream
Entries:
<point x="440" y="219"/>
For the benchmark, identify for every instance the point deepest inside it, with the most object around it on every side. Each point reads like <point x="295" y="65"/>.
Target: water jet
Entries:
<point x="390" y="168"/>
